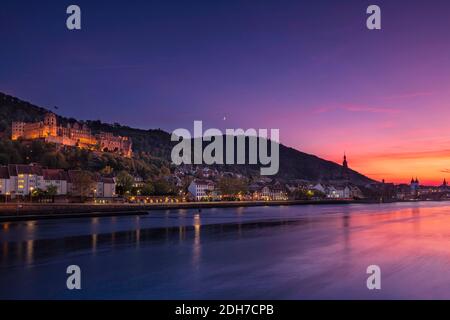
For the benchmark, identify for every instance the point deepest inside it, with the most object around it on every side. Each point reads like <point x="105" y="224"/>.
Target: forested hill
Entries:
<point x="157" y="142"/>
<point x="155" y="146"/>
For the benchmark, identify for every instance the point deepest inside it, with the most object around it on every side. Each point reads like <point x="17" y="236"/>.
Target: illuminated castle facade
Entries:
<point x="76" y="135"/>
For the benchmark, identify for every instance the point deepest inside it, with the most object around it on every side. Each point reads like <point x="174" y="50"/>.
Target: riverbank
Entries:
<point x="35" y="211"/>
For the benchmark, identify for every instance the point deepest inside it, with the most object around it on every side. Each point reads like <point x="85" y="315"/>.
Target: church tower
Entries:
<point x="345" y="174"/>
<point x="415" y="185"/>
<point x="444" y="185"/>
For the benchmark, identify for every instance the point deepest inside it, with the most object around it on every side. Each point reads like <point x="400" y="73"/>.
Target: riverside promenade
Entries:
<point x="34" y="211"/>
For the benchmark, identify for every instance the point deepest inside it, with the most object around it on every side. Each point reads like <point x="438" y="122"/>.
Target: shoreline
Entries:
<point x="36" y="211"/>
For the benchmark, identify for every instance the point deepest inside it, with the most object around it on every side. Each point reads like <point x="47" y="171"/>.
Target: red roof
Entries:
<point x="203" y="182"/>
<point x="16" y="169"/>
<point x="4" y="172"/>
<point x="54" y="174"/>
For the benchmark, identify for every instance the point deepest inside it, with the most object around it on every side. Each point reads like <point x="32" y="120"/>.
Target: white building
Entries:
<point x="106" y="187"/>
<point x="56" y="178"/>
<point x="201" y="188"/>
<point x="320" y="187"/>
<point x="339" y="191"/>
<point x="5" y="188"/>
<point x="23" y="179"/>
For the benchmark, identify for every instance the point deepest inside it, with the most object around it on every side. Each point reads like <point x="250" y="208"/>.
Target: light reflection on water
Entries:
<point x="196" y="248"/>
<point x="283" y="252"/>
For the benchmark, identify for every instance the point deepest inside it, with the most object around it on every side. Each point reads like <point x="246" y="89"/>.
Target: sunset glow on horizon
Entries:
<point x="310" y="69"/>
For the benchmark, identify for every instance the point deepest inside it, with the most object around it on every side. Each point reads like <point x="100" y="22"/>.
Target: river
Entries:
<point x="284" y="252"/>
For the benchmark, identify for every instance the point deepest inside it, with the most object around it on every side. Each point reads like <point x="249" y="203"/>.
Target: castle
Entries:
<point x="76" y="135"/>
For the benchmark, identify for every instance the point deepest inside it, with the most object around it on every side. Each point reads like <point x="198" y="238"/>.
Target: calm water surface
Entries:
<point x="286" y="252"/>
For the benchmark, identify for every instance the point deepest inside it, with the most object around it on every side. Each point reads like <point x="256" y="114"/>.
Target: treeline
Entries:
<point x="160" y="186"/>
<point x="14" y="109"/>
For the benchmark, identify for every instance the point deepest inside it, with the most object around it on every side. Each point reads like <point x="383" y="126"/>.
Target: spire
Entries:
<point x="412" y="180"/>
<point x="344" y="163"/>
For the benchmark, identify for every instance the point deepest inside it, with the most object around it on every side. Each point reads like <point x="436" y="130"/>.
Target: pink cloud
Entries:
<point x="409" y="95"/>
<point x="356" y="108"/>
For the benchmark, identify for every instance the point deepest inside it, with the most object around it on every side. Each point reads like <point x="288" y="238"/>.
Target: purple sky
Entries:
<point x="309" y="68"/>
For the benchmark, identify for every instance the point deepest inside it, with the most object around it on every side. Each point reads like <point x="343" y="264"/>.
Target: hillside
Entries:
<point x="152" y="149"/>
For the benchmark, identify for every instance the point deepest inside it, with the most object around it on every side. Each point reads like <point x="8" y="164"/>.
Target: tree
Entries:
<point x="106" y="170"/>
<point x="162" y="187"/>
<point x="83" y="183"/>
<point x="232" y="186"/>
<point x="52" y="190"/>
<point x="125" y="182"/>
<point x="4" y="159"/>
<point x="165" y="171"/>
<point x="54" y="160"/>
<point x="148" y="189"/>
<point x="38" y="193"/>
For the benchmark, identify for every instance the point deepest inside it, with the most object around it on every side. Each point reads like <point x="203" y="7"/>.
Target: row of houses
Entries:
<point x="22" y="180"/>
<point x="339" y="191"/>
<point x="202" y="189"/>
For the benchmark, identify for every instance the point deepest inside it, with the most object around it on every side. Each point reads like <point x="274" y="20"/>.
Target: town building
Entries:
<point x="56" y="178"/>
<point x="201" y="188"/>
<point x="5" y="188"/>
<point x="138" y="182"/>
<point x="17" y="180"/>
<point x="105" y="187"/>
<point x="101" y="187"/>
<point x="75" y="135"/>
<point x="338" y="191"/>
<point x="274" y="192"/>
<point x="23" y="179"/>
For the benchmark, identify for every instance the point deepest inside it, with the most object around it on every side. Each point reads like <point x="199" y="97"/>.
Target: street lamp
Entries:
<point x="31" y="194"/>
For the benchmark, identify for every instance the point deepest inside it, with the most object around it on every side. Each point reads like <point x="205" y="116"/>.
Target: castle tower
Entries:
<point x="50" y="122"/>
<point x="17" y="130"/>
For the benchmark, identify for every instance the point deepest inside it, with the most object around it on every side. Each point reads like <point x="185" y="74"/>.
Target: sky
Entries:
<point x="308" y="68"/>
